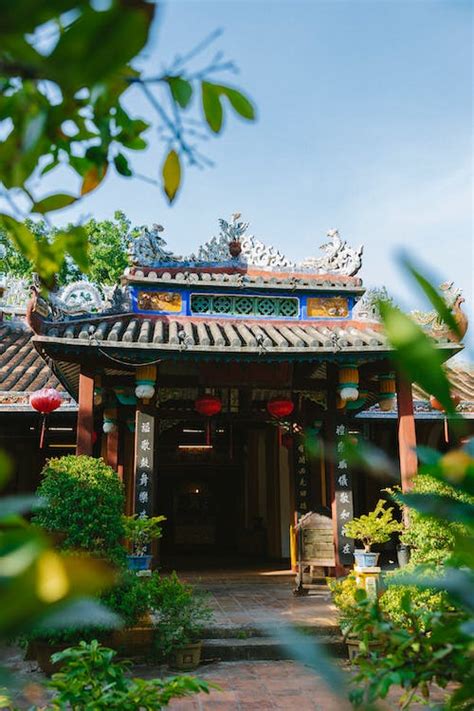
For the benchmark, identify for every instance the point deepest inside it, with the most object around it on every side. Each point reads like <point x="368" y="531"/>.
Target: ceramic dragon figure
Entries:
<point x="431" y="321"/>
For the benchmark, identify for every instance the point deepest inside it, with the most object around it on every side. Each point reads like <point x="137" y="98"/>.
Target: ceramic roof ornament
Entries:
<point x="339" y="257"/>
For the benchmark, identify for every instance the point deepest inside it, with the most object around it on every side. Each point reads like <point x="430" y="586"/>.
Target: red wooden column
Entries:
<point x="113" y="448"/>
<point x="406" y="433"/>
<point x="85" y="415"/>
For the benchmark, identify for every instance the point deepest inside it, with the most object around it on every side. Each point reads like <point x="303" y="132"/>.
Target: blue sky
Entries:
<point x="365" y="124"/>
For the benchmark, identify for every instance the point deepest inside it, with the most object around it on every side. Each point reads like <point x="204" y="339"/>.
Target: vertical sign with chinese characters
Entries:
<point x="302" y="478"/>
<point x="144" y="463"/>
<point x="343" y="493"/>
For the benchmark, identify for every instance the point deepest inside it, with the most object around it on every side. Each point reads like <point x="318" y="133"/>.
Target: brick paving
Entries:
<point x="262" y="686"/>
<point x="252" y="597"/>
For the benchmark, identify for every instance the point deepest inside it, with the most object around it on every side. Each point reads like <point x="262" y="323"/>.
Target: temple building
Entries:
<point x="219" y="386"/>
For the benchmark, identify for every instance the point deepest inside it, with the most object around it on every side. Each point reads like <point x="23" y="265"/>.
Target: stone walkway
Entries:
<point x="249" y="598"/>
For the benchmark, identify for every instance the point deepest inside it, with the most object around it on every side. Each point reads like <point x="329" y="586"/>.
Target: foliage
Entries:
<point x="142" y="531"/>
<point x="343" y="591"/>
<point x="181" y="613"/>
<point x="421" y="601"/>
<point x="129" y="599"/>
<point x="40" y="588"/>
<point x="84" y="501"/>
<point x="91" y="679"/>
<point x="432" y="541"/>
<point x="107" y="251"/>
<point x="428" y="650"/>
<point x="374" y="527"/>
<point x="66" y="73"/>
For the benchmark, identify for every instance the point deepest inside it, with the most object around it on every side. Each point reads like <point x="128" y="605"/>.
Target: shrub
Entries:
<point x="84" y="501"/>
<point x="343" y="592"/>
<point x="130" y="598"/>
<point x="432" y="541"/>
<point x="181" y="613"/>
<point x="91" y="679"/>
<point x="421" y="600"/>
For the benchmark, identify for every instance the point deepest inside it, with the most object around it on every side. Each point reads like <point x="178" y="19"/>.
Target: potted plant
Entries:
<point x="84" y="501"/>
<point x="140" y="532"/>
<point x="374" y="527"/>
<point x="181" y="613"/>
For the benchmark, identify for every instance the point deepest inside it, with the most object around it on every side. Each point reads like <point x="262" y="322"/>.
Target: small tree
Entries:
<point x="84" y="501"/>
<point x="374" y="527"/>
<point x="142" y="531"/>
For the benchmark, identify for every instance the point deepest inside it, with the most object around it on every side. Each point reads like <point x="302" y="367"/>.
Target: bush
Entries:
<point x="181" y="613"/>
<point x="432" y="541"/>
<point x="421" y="600"/>
<point x="91" y="679"/>
<point x="343" y="592"/>
<point x="140" y="532"/>
<point x="84" y="501"/>
<point x="130" y="598"/>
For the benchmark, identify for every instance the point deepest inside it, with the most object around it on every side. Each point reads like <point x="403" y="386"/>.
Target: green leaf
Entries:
<point x="212" y="107"/>
<point x="19" y="504"/>
<point x="427" y="455"/>
<point x="53" y="202"/>
<point x="239" y="102"/>
<point x="171" y="175"/>
<point x="122" y="166"/>
<point x="435" y="297"/>
<point x="76" y="243"/>
<point x="181" y="90"/>
<point x="415" y="354"/>
<point x="21" y="236"/>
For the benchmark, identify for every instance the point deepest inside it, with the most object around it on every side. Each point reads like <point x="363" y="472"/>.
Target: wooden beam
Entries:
<point x="85" y="415"/>
<point x="406" y="433"/>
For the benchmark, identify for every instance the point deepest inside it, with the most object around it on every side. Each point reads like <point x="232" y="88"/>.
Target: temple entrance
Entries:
<point x="225" y="494"/>
<point x="203" y="505"/>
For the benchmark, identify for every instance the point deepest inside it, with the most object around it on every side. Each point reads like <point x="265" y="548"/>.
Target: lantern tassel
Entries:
<point x="42" y="432"/>
<point x="446" y="430"/>
<point x="208" y="432"/>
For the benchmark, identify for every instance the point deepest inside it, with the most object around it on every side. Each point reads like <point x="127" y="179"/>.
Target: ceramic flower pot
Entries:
<point x="186" y="658"/>
<point x="366" y="559"/>
<point x="139" y="562"/>
<point x="403" y="555"/>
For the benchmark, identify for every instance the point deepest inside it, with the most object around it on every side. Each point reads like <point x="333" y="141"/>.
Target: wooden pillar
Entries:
<point x="85" y="415"/>
<point x="144" y="469"/>
<point x="113" y="441"/>
<point x="406" y="433"/>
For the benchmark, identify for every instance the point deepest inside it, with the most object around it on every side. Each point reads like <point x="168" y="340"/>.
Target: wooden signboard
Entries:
<point x="144" y="463"/>
<point x="343" y="497"/>
<point x="302" y="478"/>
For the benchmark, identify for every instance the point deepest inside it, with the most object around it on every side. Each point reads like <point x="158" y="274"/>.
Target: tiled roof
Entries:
<point x="243" y="278"/>
<point x="22" y="369"/>
<point x="201" y="334"/>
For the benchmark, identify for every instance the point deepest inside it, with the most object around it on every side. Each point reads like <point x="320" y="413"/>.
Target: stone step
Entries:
<point x="264" y="648"/>
<point x="244" y="632"/>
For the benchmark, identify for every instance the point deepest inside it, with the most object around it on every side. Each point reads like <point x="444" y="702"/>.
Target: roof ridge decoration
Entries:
<point x="431" y="321"/>
<point x="149" y="250"/>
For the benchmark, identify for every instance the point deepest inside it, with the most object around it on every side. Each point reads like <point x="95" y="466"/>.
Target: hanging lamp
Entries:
<point x="45" y="401"/>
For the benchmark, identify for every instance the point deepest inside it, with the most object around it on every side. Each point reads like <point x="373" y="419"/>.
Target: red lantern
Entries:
<point x="436" y="405"/>
<point x="45" y="401"/>
<point x="280" y="407"/>
<point x="208" y="405"/>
